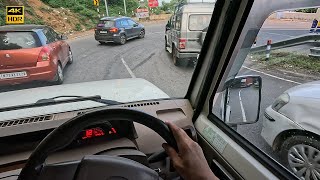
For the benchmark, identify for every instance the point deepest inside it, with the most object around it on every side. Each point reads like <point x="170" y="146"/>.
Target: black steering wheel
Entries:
<point x="116" y="166"/>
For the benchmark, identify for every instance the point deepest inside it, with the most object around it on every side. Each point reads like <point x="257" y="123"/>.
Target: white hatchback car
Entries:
<point x="291" y="125"/>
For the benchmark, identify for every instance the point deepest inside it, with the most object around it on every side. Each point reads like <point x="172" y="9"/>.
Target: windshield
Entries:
<point x="18" y="40"/>
<point x="105" y="23"/>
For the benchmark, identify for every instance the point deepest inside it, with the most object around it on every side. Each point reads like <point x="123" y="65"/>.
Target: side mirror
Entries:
<point x="135" y="25"/>
<point x="63" y="37"/>
<point x="242" y="100"/>
<point x="167" y="28"/>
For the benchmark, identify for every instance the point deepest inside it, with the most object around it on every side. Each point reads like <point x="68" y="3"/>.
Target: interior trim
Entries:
<point x="259" y="155"/>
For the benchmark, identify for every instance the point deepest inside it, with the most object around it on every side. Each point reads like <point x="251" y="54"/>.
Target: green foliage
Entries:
<point x="289" y="61"/>
<point x="309" y="10"/>
<point x="78" y="27"/>
<point x="2" y="15"/>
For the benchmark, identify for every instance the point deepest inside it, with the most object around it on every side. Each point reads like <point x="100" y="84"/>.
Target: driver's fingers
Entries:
<point x="172" y="153"/>
<point x="178" y="133"/>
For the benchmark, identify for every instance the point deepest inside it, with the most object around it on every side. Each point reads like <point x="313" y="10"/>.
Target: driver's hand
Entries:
<point x="190" y="162"/>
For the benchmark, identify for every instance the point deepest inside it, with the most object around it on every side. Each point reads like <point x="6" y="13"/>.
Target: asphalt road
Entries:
<point x="146" y="58"/>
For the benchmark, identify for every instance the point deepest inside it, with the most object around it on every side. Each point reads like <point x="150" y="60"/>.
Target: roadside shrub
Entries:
<point x="78" y="27"/>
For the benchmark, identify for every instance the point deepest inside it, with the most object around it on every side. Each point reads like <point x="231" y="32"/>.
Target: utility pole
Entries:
<point x="105" y="2"/>
<point x="125" y="7"/>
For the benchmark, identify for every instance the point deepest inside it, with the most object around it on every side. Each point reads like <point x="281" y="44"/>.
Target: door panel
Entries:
<point x="230" y="153"/>
<point x="129" y="29"/>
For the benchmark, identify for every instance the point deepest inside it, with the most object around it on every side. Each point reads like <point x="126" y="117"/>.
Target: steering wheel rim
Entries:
<point x="68" y="131"/>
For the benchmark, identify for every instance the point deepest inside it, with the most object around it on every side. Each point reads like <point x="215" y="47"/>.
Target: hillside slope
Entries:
<point x="66" y="16"/>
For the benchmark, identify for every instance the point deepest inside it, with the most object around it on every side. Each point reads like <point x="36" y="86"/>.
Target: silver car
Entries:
<point x="290" y="122"/>
<point x="184" y="31"/>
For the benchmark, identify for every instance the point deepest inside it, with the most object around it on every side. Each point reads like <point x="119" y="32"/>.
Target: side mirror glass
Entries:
<point x="242" y="100"/>
<point x="135" y="25"/>
<point x="63" y="37"/>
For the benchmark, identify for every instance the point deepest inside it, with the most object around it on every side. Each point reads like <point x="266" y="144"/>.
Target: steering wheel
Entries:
<point x="103" y="167"/>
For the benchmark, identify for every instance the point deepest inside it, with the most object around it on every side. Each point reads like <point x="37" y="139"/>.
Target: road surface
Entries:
<point x="146" y="58"/>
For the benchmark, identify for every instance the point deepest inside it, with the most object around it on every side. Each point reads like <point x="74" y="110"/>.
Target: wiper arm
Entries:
<point x="53" y="101"/>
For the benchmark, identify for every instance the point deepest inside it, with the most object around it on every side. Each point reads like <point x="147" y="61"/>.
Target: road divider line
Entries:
<point x="155" y="33"/>
<point x="128" y="69"/>
<point x="270" y="75"/>
<point x="242" y="109"/>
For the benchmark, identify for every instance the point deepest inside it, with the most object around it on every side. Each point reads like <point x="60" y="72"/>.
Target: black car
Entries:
<point x="118" y="30"/>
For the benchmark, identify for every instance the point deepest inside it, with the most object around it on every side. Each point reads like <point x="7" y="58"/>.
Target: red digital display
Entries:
<point x="93" y="132"/>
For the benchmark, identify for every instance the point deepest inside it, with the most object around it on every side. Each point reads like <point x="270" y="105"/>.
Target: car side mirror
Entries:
<point x="241" y="100"/>
<point x="167" y="28"/>
<point x="63" y="37"/>
<point x="135" y="25"/>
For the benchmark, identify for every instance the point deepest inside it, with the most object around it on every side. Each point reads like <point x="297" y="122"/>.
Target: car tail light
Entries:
<point x="114" y="30"/>
<point x="182" y="43"/>
<point x="44" y="54"/>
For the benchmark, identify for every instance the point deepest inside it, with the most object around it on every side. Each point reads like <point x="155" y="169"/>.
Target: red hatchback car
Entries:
<point x="32" y="53"/>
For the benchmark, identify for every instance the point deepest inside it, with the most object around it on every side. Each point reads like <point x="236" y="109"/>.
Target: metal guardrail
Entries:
<point x="304" y="39"/>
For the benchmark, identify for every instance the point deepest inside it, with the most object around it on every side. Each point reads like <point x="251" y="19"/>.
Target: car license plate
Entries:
<point x="13" y="75"/>
<point x="103" y="32"/>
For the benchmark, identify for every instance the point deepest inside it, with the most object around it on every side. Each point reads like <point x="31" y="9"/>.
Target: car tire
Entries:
<point x="302" y="145"/>
<point x="175" y="59"/>
<point x="70" y="59"/>
<point x="142" y="34"/>
<point x="123" y="39"/>
<point x="59" y="75"/>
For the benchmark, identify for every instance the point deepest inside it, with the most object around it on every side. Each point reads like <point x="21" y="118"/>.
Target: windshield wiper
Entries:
<point x="54" y="101"/>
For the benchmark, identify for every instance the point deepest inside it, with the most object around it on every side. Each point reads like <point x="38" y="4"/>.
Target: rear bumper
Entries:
<point x="187" y="54"/>
<point x="115" y="38"/>
<point x="43" y="71"/>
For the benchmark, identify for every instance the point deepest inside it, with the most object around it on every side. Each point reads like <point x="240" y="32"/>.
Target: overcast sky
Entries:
<point x="160" y="1"/>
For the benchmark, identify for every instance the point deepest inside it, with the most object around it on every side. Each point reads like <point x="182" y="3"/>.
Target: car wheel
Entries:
<point x="59" y="75"/>
<point x="123" y="39"/>
<point x="70" y="60"/>
<point x="301" y="155"/>
<point x="142" y="34"/>
<point x="175" y="59"/>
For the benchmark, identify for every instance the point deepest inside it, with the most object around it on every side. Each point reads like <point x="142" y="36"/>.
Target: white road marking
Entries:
<point x="242" y="109"/>
<point x="283" y="79"/>
<point x="154" y="33"/>
<point x="279" y="34"/>
<point x="128" y="69"/>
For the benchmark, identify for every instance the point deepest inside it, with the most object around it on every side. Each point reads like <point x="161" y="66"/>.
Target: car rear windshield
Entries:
<point x="198" y="22"/>
<point x="106" y="23"/>
<point x="18" y="40"/>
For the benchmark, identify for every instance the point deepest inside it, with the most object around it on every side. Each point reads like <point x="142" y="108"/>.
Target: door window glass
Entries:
<point x="286" y="76"/>
<point x="124" y="23"/>
<point x="49" y="36"/>
<point x="131" y="23"/>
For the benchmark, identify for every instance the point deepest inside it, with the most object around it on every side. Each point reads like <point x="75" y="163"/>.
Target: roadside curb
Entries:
<point x="81" y="35"/>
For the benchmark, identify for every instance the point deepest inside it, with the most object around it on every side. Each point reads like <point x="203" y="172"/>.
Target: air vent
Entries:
<point x="25" y="121"/>
<point x="142" y="104"/>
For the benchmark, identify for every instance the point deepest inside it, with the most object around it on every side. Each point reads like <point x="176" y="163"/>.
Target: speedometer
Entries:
<point x="95" y="132"/>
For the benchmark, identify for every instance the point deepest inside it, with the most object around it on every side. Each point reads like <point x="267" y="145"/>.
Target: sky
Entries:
<point x="160" y="1"/>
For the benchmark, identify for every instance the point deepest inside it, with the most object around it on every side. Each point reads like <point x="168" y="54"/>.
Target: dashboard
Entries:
<point x="18" y="140"/>
<point x="108" y="131"/>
